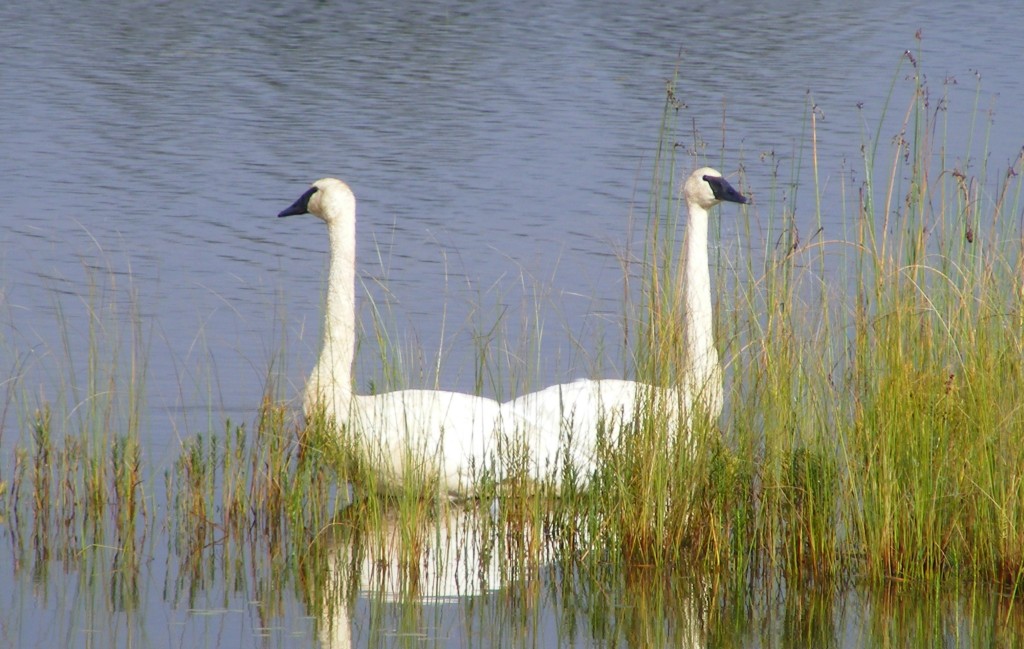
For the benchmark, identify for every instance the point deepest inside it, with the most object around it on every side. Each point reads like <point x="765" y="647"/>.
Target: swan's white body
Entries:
<point x="562" y="423"/>
<point x="572" y="414"/>
<point x="448" y="434"/>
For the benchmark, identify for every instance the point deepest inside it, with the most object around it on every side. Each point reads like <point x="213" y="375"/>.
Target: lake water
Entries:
<point x="501" y="155"/>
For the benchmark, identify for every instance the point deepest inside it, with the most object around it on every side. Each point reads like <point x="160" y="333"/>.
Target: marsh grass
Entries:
<point x="874" y="399"/>
<point x="77" y="493"/>
<point x="934" y="434"/>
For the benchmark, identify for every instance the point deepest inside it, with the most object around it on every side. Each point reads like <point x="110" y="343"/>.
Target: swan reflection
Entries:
<point x="414" y="569"/>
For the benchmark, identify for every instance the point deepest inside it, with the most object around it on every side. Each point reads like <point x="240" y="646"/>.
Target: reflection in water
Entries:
<point x="460" y="579"/>
<point x="448" y="560"/>
<point x="665" y="610"/>
<point x="457" y="580"/>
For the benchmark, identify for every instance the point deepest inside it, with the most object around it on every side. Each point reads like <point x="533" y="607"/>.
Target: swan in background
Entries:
<point x="572" y="412"/>
<point x="424" y="432"/>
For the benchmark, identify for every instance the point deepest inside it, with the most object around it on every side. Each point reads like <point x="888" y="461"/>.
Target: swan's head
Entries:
<point x="329" y="199"/>
<point x="707" y="188"/>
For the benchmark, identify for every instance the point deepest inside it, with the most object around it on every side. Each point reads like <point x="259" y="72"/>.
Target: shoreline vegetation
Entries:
<point x="872" y="434"/>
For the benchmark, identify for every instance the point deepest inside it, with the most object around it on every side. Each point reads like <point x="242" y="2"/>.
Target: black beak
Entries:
<point x="723" y="191"/>
<point x="300" y="206"/>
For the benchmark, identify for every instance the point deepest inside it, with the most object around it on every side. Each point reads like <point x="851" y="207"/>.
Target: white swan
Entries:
<point x="407" y="432"/>
<point x="574" y="411"/>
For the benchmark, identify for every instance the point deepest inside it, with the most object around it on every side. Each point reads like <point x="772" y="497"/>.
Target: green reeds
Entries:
<point x="934" y="431"/>
<point x="872" y="428"/>
<point x="874" y="396"/>
<point x="77" y="494"/>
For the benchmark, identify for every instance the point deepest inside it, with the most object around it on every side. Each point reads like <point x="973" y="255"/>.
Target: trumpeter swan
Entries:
<point x="424" y="432"/>
<point x="572" y="412"/>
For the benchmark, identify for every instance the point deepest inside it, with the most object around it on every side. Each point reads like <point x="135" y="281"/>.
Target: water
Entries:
<point x="500" y="153"/>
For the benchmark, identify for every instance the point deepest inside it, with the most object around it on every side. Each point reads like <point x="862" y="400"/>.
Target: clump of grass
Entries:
<point x="71" y="518"/>
<point x="250" y="505"/>
<point x="938" y="355"/>
<point x="77" y="489"/>
<point x="871" y="428"/>
<point x="872" y="397"/>
<point x="41" y="484"/>
<point x="243" y="486"/>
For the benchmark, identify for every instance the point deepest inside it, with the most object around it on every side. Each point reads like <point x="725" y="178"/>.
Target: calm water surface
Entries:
<point x="500" y="152"/>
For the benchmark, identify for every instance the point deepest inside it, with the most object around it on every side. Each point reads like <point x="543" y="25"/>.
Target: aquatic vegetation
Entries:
<point x="874" y="390"/>
<point x="76" y="498"/>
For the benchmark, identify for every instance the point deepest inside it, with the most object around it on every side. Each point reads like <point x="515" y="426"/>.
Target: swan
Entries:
<point x="565" y="419"/>
<point x="408" y="432"/>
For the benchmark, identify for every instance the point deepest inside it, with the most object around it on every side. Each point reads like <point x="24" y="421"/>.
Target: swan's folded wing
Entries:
<point x="428" y="431"/>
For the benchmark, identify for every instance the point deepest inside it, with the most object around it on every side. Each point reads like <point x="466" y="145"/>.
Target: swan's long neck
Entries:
<point x="332" y="378"/>
<point x="702" y="367"/>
